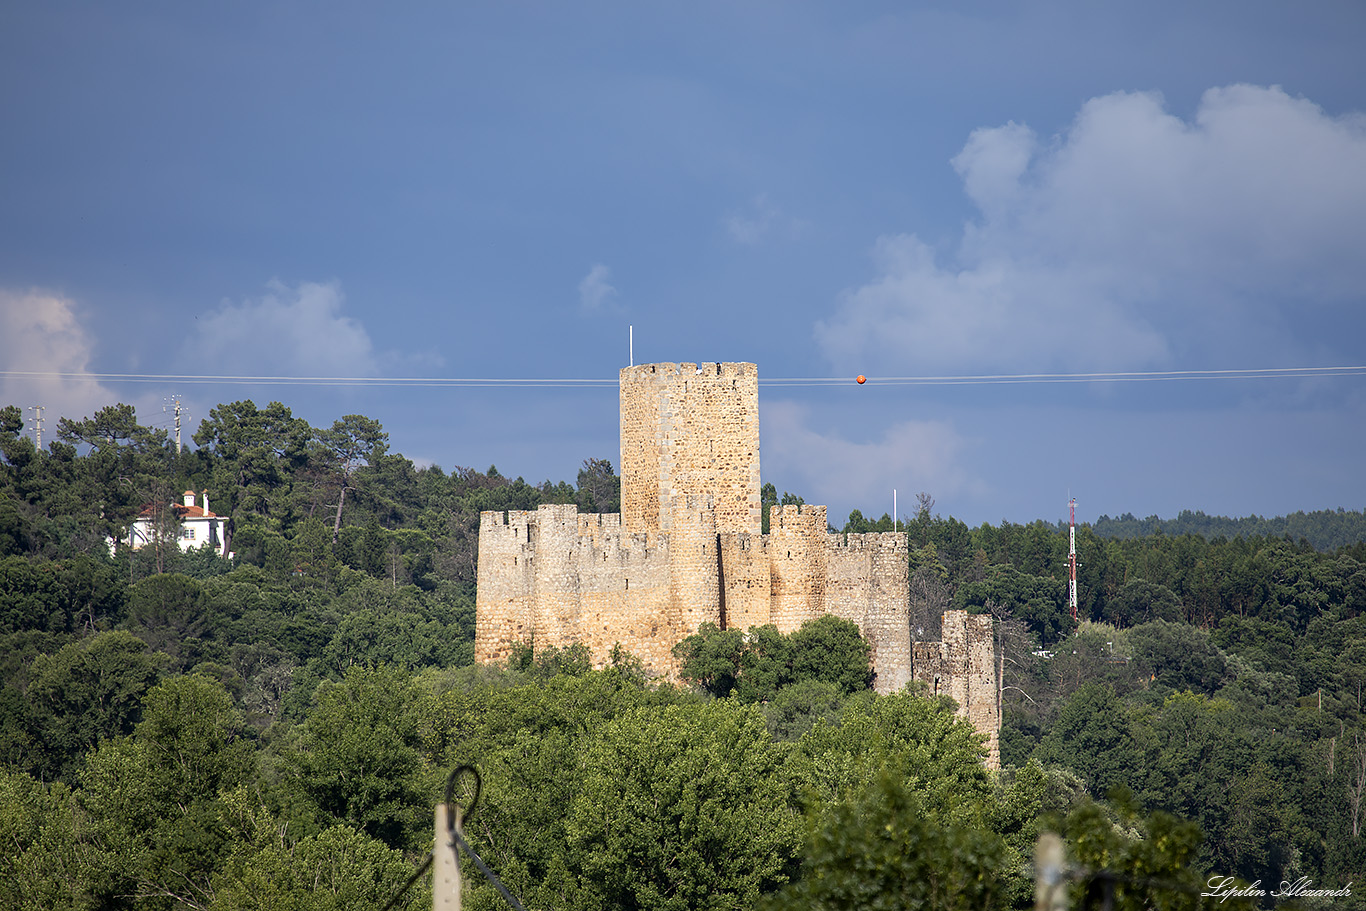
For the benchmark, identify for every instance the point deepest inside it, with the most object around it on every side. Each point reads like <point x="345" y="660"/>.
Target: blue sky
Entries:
<point x="898" y="190"/>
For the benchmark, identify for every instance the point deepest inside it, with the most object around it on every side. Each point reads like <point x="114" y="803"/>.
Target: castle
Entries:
<point x="687" y="549"/>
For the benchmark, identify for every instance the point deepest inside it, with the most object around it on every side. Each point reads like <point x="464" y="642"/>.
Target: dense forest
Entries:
<point x="178" y="730"/>
<point x="1323" y="529"/>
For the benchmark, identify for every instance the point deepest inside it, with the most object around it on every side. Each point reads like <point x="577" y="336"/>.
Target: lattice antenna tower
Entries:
<point x="38" y="424"/>
<point x="1072" y="556"/>
<point x="175" y="401"/>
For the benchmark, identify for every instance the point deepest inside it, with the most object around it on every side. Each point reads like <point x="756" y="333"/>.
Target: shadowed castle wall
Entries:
<point x="747" y="580"/>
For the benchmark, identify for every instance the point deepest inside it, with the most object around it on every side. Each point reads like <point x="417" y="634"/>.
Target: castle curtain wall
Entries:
<point x="687" y="550"/>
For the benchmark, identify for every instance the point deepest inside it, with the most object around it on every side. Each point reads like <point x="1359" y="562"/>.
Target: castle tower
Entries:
<point x="671" y="450"/>
<point x="694" y="567"/>
<point x="963" y="666"/>
<point x="796" y="546"/>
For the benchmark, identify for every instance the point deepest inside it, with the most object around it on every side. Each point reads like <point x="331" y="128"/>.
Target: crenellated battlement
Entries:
<point x="595" y="536"/>
<point x="712" y="369"/>
<point x="599" y="520"/>
<point x="686" y="549"/>
<point x="504" y="518"/>
<point x="872" y="540"/>
<point x="801" y="518"/>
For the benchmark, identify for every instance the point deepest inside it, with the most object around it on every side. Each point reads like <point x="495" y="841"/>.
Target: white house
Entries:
<point x="198" y="526"/>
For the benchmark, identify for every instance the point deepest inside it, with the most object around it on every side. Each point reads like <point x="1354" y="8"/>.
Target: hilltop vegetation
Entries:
<point x="180" y="731"/>
<point x="1324" y="529"/>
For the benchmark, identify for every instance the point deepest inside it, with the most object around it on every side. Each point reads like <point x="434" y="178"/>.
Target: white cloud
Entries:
<point x="41" y="333"/>
<point x="992" y="163"/>
<point x="749" y="228"/>
<point x="1134" y="239"/>
<point x="760" y="220"/>
<point x="596" y="293"/>
<point x="910" y="456"/>
<point x="296" y="331"/>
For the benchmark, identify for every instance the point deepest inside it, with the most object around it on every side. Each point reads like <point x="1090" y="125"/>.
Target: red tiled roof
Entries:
<point x="182" y="512"/>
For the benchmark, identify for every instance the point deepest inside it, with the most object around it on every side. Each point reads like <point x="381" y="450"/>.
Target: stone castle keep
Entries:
<point x="687" y="550"/>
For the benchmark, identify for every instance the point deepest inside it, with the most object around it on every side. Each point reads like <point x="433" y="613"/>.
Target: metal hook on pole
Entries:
<point x="450" y="822"/>
<point x="449" y="839"/>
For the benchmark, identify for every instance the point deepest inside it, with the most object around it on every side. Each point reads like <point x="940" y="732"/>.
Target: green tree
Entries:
<point x="881" y="849"/>
<point x="795" y="709"/>
<point x="711" y="658"/>
<point x="336" y="869"/>
<point x="254" y="453"/>
<point x="1026" y="799"/>
<point x="167" y="610"/>
<point x="529" y="737"/>
<point x="358" y="755"/>
<point x="832" y="650"/>
<point x="599" y="487"/>
<point x="768" y="498"/>
<point x="1136" y="863"/>
<point x="115" y="427"/>
<point x="755" y="664"/>
<point x="154" y="797"/>
<point x="1178" y="656"/>
<point x="351" y="441"/>
<point x="15" y="536"/>
<point x="89" y="691"/>
<point x="1140" y="601"/>
<point x="936" y="753"/>
<point x="1040" y="601"/>
<point x="43" y="865"/>
<point x="681" y="809"/>
<point x="1094" y="737"/>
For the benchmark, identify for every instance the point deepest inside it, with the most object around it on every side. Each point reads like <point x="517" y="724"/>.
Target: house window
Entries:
<point x="187" y="534"/>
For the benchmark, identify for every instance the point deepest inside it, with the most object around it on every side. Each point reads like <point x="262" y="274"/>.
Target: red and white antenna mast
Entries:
<point x="1072" y="556"/>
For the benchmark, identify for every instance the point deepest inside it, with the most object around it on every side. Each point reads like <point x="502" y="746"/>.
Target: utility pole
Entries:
<point x="176" y="399"/>
<point x="37" y="425"/>
<point x="175" y="402"/>
<point x="1072" y="557"/>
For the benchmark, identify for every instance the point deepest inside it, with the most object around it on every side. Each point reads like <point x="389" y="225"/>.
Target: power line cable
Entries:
<point x="602" y="382"/>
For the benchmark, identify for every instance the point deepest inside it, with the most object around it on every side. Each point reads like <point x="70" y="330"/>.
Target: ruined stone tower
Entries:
<point x="963" y="666"/>
<point x="686" y="548"/>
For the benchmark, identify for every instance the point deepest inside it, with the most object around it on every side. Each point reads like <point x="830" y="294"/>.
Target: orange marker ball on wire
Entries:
<point x="861" y="379"/>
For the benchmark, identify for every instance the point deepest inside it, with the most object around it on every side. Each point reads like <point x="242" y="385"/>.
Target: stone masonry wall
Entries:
<point x="747" y="581"/>
<point x="867" y="582"/>
<point x="690" y="430"/>
<point x="963" y="666"/>
<point x="555" y="577"/>
<point x="796" y="547"/>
